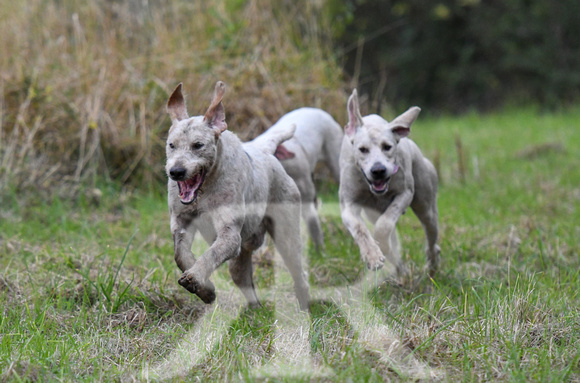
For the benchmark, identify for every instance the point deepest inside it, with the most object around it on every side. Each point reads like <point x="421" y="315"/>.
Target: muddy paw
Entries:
<point x="375" y="262"/>
<point x="206" y="292"/>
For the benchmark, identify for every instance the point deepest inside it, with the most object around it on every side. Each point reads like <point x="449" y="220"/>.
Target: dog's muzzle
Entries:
<point x="380" y="181"/>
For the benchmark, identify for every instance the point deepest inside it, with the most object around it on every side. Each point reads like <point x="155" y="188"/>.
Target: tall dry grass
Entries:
<point x="83" y="84"/>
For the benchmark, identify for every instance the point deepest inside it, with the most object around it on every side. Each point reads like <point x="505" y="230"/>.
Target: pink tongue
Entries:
<point x="380" y="185"/>
<point x="189" y="187"/>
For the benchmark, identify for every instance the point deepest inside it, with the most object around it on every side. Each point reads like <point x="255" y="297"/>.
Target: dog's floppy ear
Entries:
<point x="176" y="105"/>
<point x="354" y="118"/>
<point x="216" y="115"/>
<point x="401" y="126"/>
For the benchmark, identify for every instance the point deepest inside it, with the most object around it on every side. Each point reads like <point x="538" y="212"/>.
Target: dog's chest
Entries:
<point x="250" y="220"/>
<point x="376" y="203"/>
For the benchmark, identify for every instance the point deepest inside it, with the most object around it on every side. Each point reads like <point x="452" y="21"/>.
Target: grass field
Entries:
<point x="88" y="286"/>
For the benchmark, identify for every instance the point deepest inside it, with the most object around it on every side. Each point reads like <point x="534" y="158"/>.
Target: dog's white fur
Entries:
<point x="382" y="173"/>
<point x="232" y="193"/>
<point x="318" y="138"/>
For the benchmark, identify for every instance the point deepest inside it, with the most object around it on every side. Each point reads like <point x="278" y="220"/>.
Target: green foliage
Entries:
<point x="88" y="284"/>
<point x="456" y="55"/>
<point x="105" y="287"/>
<point x="78" y="303"/>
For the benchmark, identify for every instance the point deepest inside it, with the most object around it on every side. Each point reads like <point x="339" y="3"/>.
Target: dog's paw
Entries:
<point x="433" y="258"/>
<point x="205" y="291"/>
<point x="374" y="261"/>
<point x="374" y="266"/>
<point x="403" y="272"/>
<point x="254" y="305"/>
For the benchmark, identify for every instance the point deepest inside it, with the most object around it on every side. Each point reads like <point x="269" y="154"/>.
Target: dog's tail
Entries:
<point x="269" y="141"/>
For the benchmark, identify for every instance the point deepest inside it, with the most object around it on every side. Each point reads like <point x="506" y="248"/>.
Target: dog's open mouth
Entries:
<point x="189" y="189"/>
<point x="380" y="186"/>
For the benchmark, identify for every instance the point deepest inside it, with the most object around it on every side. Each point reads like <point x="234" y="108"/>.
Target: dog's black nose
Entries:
<point x="378" y="170"/>
<point x="177" y="173"/>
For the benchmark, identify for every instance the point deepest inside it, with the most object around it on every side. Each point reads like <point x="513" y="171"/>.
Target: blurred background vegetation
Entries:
<point x="455" y="55"/>
<point x="83" y="84"/>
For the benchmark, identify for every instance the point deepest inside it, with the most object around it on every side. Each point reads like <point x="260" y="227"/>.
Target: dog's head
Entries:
<point x="374" y="142"/>
<point x="192" y="142"/>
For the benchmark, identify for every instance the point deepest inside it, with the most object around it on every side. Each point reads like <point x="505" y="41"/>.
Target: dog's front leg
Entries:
<point x="385" y="229"/>
<point x="226" y="245"/>
<point x="369" y="250"/>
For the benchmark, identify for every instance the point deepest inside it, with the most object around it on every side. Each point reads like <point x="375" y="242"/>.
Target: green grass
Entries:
<point x="88" y="288"/>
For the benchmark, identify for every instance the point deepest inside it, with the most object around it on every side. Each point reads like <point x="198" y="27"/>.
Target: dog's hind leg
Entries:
<point x="284" y="227"/>
<point x="332" y="154"/>
<point x="429" y="219"/>
<point x="309" y="213"/>
<point x="312" y="220"/>
<point x="241" y="271"/>
<point x="395" y="246"/>
<point x="424" y="206"/>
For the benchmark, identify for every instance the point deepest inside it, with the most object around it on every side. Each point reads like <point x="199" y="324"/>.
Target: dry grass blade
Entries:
<point x="84" y="84"/>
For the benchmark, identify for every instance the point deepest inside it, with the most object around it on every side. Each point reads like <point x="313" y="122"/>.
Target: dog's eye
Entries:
<point x="197" y="145"/>
<point x="363" y="149"/>
<point x="386" y="147"/>
<point x="171" y="146"/>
